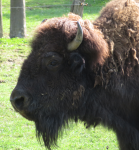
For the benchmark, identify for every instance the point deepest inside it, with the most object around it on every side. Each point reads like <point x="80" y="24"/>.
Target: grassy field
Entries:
<point x="17" y="133"/>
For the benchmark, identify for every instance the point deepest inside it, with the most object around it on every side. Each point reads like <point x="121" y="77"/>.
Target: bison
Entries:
<point x="83" y="70"/>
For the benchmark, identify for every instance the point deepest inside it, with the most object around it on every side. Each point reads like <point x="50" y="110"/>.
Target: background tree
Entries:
<point x="1" y="26"/>
<point x="77" y="7"/>
<point x="17" y="19"/>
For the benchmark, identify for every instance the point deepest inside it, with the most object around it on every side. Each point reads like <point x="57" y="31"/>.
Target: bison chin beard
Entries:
<point x="50" y="128"/>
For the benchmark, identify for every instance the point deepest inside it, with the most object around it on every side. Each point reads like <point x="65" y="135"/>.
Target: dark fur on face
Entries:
<point x="97" y="83"/>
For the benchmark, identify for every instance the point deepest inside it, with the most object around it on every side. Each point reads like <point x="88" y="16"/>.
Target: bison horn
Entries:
<point x="77" y="40"/>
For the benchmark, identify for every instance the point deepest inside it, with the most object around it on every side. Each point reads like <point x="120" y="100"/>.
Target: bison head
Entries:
<point x="54" y="78"/>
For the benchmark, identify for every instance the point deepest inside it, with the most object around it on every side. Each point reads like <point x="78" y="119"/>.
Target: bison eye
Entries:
<point x="53" y="63"/>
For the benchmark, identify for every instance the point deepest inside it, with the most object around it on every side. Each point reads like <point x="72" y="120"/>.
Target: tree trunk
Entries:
<point x="17" y="19"/>
<point x="1" y="26"/>
<point x="77" y="7"/>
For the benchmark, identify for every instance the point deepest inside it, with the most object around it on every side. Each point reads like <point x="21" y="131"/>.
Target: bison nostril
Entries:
<point x="19" y="103"/>
<point x="19" y="99"/>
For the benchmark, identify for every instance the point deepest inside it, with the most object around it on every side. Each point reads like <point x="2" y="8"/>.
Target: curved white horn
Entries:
<point x="77" y="40"/>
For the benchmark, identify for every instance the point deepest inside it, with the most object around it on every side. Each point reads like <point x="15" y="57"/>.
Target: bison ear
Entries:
<point x="77" y="63"/>
<point x="43" y="21"/>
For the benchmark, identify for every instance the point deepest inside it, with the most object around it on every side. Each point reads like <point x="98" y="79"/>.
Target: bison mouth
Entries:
<point x="25" y="114"/>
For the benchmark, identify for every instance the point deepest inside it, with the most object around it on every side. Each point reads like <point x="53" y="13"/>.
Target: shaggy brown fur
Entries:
<point x="114" y="33"/>
<point x="119" y="23"/>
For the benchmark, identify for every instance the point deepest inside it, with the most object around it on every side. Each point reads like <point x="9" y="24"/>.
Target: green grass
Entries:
<point x="17" y="133"/>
